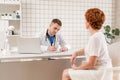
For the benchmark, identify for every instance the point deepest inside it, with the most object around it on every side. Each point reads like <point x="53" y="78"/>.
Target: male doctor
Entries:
<point x="51" y="40"/>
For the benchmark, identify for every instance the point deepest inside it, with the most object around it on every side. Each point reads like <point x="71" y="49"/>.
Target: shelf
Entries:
<point x="11" y="19"/>
<point x="13" y="35"/>
<point x="10" y="15"/>
<point x="8" y="3"/>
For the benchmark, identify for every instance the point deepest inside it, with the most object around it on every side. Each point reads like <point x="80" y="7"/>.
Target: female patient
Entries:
<point x="96" y="51"/>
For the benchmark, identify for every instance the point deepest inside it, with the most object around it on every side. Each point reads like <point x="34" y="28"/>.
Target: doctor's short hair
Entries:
<point x="95" y="17"/>
<point x="57" y="21"/>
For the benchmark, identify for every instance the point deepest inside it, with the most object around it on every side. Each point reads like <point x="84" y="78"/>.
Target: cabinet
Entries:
<point x="1" y="1"/>
<point x="10" y="13"/>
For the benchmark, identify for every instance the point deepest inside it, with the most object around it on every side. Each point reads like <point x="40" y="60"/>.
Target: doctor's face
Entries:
<point x="54" y="28"/>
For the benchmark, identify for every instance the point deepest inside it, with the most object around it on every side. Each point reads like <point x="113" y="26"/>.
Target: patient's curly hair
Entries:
<point x="95" y="17"/>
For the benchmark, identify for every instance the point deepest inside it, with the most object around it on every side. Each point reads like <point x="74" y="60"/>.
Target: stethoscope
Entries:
<point x="53" y="44"/>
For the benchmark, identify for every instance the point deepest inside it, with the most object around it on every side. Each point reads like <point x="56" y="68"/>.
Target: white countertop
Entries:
<point x="7" y="57"/>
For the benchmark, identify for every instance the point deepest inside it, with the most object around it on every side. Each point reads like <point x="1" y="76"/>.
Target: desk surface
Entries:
<point x="16" y="56"/>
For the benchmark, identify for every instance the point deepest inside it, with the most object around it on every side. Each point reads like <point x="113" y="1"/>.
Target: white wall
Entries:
<point x="117" y="17"/>
<point x="117" y="14"/>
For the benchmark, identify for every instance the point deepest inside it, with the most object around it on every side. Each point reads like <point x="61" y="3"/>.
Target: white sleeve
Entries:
<point x="95" y="47"/>
<point x="42" y="42"/>
<point x="44" y="48"/>
<point x="63" y="43"/>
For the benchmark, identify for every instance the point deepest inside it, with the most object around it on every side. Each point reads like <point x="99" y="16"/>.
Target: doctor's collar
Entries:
<point x="47" y="34"/>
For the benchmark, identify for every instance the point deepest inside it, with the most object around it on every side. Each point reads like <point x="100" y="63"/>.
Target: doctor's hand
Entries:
<point x="63" y="49"/>
<point x="52" y="48"/>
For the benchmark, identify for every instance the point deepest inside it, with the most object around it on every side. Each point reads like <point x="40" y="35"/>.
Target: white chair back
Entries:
<point x="114" y="52"/>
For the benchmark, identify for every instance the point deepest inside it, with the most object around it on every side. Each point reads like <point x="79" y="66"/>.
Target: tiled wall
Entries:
<point x="37" y="14"/>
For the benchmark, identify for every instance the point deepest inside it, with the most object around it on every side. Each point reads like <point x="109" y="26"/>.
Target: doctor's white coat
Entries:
<point x="59" y="42"/>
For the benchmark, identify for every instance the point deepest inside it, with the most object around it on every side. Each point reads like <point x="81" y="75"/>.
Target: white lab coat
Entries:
<point x="59" y="42"/>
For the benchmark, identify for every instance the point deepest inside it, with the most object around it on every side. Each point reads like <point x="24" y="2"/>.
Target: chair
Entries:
<point x="114" y="72"/>
<point x="114" y="52"/>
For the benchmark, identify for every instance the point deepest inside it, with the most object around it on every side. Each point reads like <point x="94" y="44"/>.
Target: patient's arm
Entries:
<point x="74" y="55"/>
<point x="79" y="52"/>
<point x="88" y="65"/>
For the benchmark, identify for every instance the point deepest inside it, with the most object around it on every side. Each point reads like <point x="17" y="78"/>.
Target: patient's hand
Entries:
<point x="63" y="49"/>
<point x="52" y="48"/>
<point x="74" y="67"/>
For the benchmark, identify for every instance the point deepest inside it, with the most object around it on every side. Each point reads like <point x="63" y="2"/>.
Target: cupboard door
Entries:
<point x="3" y="32"/>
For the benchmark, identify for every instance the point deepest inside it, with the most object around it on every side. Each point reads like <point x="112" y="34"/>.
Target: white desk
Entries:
<point x="25" y="66"/>
<point x="29" y="57"/>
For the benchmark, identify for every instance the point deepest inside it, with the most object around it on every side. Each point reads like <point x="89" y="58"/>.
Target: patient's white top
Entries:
<point x="97" y="46"/>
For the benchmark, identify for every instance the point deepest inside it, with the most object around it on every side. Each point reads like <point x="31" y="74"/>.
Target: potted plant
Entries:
<point x="2" y="16"/>
<point x="111" y="33"/>
<point x="10" y="16"/>
<point x="6" y="16"/>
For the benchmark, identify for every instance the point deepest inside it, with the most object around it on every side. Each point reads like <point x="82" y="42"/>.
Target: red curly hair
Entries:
<point x="95" y="17"/>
